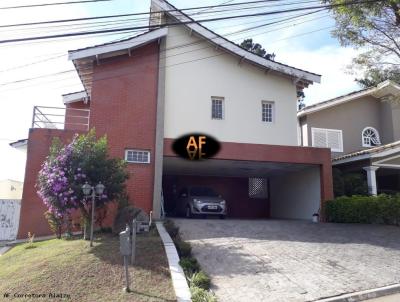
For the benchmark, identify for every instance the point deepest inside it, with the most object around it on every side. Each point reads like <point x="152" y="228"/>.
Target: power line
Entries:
<point x="185" y="45"/>
<point x="187" y="22"/>
<point x="50" y="4"/>
<point x="185" y="52"/>
<point x="134" y="14"/>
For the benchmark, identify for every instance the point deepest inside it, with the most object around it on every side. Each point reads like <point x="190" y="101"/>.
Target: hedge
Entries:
<point x="383" y="209"/>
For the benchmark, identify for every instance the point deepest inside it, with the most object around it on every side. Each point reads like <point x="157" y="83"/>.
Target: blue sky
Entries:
<point x="292" y="43"/>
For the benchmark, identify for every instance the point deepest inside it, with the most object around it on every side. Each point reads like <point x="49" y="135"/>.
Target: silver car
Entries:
<point x="200" y="201"/>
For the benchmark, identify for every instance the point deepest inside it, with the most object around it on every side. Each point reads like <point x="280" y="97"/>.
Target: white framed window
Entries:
<point x="370" y="137"/>
<point x="327" y="138"/>
<point x="267" y="111"/>
<point x="137" y="156"/>
<point x="217" y="108"/>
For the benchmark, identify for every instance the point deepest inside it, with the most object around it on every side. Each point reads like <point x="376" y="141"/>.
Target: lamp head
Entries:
<point x="99" y="188"/>
<point x="86" y="188"/>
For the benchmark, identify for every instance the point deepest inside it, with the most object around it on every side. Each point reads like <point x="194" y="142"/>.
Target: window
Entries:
<point x="327" y="138"/>
<point x="267" y="111"/>
<point x="137" y="156"/>
<point x="370" y="137"/>
<point x="258" y="188"/>
<point x="217" y="108"/>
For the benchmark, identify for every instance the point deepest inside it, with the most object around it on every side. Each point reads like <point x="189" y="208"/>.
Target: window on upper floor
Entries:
<point x="217" y="108"/>
<point x="137" y="156"/>
<point x="327" y="138"/>
<point x="267" y="111"/>
<point x="370" y="137"/>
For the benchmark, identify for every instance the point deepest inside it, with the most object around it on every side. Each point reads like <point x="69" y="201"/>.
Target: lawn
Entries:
<point x="71" y="268"/>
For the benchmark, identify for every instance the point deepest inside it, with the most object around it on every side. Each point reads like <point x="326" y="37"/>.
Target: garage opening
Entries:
<point x="250" y="189"/>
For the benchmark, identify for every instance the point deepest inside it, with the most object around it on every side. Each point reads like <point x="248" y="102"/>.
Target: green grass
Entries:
<point x="72" y="267"/>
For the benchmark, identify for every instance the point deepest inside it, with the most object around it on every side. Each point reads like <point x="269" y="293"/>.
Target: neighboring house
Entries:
<point x="146" y="91"/>
<point x="362" y="129"/>
<point x="10" y="189"/>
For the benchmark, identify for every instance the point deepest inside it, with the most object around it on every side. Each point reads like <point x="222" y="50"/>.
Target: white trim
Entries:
<point x="74" y="97"/>
<point x="117" y="46"/>
<point x="272" y="111"/>
<point x="230" y="46"/>
<point x="313" y="129"/>
<point x="374" y="91"/>
<point x="137" y="162"/>
<point x="350" y="159"/>
<point x="218" y="98"/>
<point x="362" y="137"/>
<point x="386" y="152"/>
<point x="386" y="159"/>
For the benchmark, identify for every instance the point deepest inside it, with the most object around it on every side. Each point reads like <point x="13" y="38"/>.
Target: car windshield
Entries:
<point x="199" y="191"/>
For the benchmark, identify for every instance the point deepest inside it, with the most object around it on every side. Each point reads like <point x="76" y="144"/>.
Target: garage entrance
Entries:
<point x="252" y="189"/>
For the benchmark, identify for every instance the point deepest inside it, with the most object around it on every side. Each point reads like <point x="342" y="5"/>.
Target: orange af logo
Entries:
<point x="196" y="146"/>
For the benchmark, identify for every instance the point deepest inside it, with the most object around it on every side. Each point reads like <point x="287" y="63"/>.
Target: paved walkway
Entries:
<point x="280" y="260"/>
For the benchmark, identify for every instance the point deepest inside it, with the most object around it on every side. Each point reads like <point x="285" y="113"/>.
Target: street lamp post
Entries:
<point x="94" y="192"/>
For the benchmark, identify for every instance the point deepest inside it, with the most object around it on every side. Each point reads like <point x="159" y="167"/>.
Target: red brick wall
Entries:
<point x="32" y="207"/>
<point x="123" y="106"/>
<point x="233" y="189"/>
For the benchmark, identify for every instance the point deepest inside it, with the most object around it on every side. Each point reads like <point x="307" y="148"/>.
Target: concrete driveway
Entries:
<point x="281" y="260"/>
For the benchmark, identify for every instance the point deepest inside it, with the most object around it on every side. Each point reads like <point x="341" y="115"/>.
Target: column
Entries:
<point x="371" y="177"/>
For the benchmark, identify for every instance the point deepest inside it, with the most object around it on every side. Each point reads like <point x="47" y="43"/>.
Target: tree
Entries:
<point x="257" y="49"/>
<point x="375" y="27"/>
<point x="68" y="167"/>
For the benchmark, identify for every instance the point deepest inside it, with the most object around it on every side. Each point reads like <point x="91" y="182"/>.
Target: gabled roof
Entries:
<point x="19" y="143"/>
<point x="382" y="90"/>
<point x="83" y="58"/>
<point x="379" y="151"/>
<point x="75" y="97"/>
<point x="296" y="73"/>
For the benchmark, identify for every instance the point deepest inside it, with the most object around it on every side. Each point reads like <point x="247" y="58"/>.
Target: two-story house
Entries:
<point x="179" y="78"/>
<point x="362" y="129"/>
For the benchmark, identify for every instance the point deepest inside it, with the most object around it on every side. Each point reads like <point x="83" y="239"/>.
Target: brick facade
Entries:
<point x="123" y="107"/>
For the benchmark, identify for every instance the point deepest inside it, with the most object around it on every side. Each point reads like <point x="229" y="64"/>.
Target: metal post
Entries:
<point x="92" y="222"/>
<point x="127" y="289"/>
<point x="133" y="250"/>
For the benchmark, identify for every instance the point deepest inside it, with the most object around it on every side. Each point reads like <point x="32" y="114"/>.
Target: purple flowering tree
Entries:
<point x="68" y="167"/>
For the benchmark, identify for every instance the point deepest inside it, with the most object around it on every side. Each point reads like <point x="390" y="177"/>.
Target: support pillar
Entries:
<point x="371" y="177"/>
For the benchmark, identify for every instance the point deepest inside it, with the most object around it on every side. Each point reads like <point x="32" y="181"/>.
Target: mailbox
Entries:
<point x="125" y="244"/>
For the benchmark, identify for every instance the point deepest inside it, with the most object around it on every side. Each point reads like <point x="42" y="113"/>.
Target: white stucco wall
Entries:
<point x="296" y="195"/>
<point x="197" y="72"/>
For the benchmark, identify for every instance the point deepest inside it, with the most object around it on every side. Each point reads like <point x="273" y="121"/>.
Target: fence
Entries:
<point x="60" y="118"/>
<point x="9" y="218"/>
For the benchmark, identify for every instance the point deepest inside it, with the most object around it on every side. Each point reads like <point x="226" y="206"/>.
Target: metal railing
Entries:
<point x="60" y="118"/>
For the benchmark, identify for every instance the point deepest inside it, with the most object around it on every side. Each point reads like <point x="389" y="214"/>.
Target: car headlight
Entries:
<point x="197" y="201"/>
<point x="222" y="203"/>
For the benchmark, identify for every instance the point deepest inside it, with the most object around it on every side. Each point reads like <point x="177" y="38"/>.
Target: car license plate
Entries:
<point x="212" y="207"/>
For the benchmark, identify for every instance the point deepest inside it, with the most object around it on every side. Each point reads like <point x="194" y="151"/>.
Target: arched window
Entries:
<point x="370" y="137"/>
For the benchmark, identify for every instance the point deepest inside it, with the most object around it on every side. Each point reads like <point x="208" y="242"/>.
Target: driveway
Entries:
<point x="282" y="260"/>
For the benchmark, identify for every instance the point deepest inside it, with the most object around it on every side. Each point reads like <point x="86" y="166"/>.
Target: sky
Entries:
<point x="305" y="43"/>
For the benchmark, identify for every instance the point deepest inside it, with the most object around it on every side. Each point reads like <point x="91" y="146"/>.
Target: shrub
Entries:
<point x="201" y="280"/>
<point x="364" y="209"/>
<point x="184" y="248"/>
<point x="172" y="230"/>
<point x="189" y="266"/>
<point x="201" y="295"/>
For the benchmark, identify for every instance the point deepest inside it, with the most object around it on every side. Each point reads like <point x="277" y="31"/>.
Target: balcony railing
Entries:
<point x="60" y="118"/>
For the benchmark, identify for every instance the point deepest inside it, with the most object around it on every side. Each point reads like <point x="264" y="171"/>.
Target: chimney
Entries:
<point x="157" y="16"/>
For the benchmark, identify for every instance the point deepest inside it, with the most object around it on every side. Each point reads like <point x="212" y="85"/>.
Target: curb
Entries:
<point x="364" y="295"/>
<point x="4" y="250"/>
<point x="181" y="287"/>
